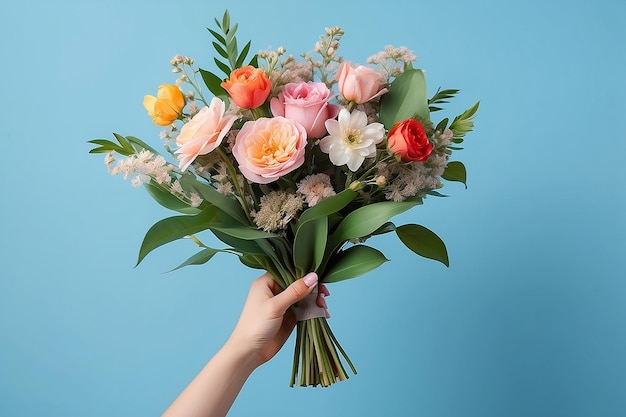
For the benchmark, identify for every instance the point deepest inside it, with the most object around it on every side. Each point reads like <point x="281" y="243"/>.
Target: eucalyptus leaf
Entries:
<point x="352" y="262"/>
<point x="405" y="99"/>
<point x="423" y="242"/>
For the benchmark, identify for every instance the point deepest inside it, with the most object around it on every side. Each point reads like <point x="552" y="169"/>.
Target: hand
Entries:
<point x="267" y="320"/>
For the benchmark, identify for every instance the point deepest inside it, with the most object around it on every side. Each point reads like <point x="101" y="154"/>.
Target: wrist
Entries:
<point x="241" y="351"/>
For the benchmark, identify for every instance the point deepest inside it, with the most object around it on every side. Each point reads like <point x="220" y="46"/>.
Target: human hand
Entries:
<point x="267" y="320"/>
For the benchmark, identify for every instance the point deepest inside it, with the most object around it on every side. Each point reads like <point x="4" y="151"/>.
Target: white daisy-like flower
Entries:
<point x="351" y="139"/>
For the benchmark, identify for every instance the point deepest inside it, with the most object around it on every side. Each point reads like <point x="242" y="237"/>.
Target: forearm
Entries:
<point x="214" y="389"/>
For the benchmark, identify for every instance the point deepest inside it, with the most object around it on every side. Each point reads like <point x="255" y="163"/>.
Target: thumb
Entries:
<point x="296" y="291"/>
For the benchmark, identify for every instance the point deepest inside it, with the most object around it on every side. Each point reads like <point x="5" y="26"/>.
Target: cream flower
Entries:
<point x="203" y="133"/>
<point x="351" y="139"/>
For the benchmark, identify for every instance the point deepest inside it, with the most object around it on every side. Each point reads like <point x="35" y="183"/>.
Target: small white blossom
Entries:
<point x="351" y="139"/>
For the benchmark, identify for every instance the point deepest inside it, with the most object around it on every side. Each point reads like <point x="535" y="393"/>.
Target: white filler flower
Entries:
<point x="351" y="139"/>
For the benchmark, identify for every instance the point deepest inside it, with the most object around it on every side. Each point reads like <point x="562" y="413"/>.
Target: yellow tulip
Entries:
<point x="166" y="106"/>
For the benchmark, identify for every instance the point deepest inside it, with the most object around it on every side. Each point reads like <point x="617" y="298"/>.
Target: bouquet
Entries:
<point x="294" y="164"/>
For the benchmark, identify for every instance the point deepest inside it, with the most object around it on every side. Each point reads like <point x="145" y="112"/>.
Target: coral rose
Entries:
<point x="407" y="139"/>
<point x="248" y="87"/>
<point x="359" y="84"/>
<point x="203" y="133"/>
<point x="166" y="106"/>
<point x="307" y="104"/>
<point x="268" y="148"/>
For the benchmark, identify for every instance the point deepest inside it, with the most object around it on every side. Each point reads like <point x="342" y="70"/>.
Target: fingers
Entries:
<point x="296" y="291"/>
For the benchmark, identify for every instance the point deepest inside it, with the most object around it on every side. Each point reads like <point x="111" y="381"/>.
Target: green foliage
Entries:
<point x="423" y="242"/>
<point x="455" y="171"/>
<point x="441" y="97"/>
<point x="199" y="258"/>
<point x="225" y="45"/>
<point x="352" y="262"/>
<point x="126" y="145"/>
<point x="405" y="99"/>
<point x="309" y="245"/>
<point x="168" y="200"/>
<point x="463" y="123"/>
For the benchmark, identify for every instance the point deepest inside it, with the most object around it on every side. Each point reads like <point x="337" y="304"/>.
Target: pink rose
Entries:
<point x="307" y="104"/>
<point x="203" y="133"/>
<point x="359" y="84"/>
<point x="268" y="148"/>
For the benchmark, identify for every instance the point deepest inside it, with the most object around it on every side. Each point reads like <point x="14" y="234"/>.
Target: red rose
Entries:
<point x="408" y="140"/>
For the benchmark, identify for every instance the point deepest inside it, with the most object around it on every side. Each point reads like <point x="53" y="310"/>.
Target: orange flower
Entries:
<point x="248" y="87"/>
<point x="166" y="106"/>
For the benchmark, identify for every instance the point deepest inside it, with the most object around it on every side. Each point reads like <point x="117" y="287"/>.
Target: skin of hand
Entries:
<point x="264" y="325"/>
<point x="267" y="320"/>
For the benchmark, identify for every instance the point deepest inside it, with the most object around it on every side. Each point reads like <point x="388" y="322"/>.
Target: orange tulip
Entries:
<point x="248" y="87"/>
<point x="166" y="106"/>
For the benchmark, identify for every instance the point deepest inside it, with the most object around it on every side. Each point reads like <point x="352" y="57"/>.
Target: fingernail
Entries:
<point x="310" y="279"/>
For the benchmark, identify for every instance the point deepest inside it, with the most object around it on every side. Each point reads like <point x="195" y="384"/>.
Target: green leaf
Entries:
<point x="309" y="245"/>
<point x="199" y="258"/>
<point x="213" y="83"/>
<point x="255" y="261"/>
<point x="226" y="204"/>
<point x="220" y="50"/>
<point x="174" y="228"/>
<point x="367" y="219"/>
<point x="327" y="206"/>
<point x="106" y="146"/>
<point x="138" y="144"/>
<point x="243" y="232"/>
<point x="352" y="262"/>
<point x="464" y="122"/>
<point x="455" y="171"/>
<point x="243" y="54"/>
<point x="124" y="142"/>
<point x="239" y="245"/>
<point x="168" y="200"/>
<point x="405" y="99"/>
<point x="217" y="36"/>
<point x="225" y="68"/>
<point x="423" y="242"/>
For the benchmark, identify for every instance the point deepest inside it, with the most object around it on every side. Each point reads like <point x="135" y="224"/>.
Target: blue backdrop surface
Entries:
<point x="529" y="320"/>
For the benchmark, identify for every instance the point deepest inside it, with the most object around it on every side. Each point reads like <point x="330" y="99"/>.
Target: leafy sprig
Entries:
<point x="225" y="45"/>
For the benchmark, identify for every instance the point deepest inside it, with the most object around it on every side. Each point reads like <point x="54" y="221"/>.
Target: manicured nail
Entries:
<point x="310" y="279"/>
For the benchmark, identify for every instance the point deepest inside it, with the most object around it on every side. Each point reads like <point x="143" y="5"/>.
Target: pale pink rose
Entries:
<point x="359" y="84"/>
<point x="307" y="104"/>
<point x="203" y="133"/>
<point x="268" y="148"/>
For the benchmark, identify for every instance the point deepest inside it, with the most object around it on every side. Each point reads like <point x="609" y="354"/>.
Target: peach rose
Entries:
<point x="166" y="106"/>
<point x="408" y="140"/>
<point x="359" y="84"/>
<point x="307" y="104"/>
<point x="203" y="133"/>
<point x="268" y="148"/>
<point x="248" y="87"/>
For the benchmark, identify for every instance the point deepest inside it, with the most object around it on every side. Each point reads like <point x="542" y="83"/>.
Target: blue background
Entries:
<point x="529" y="320"/>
